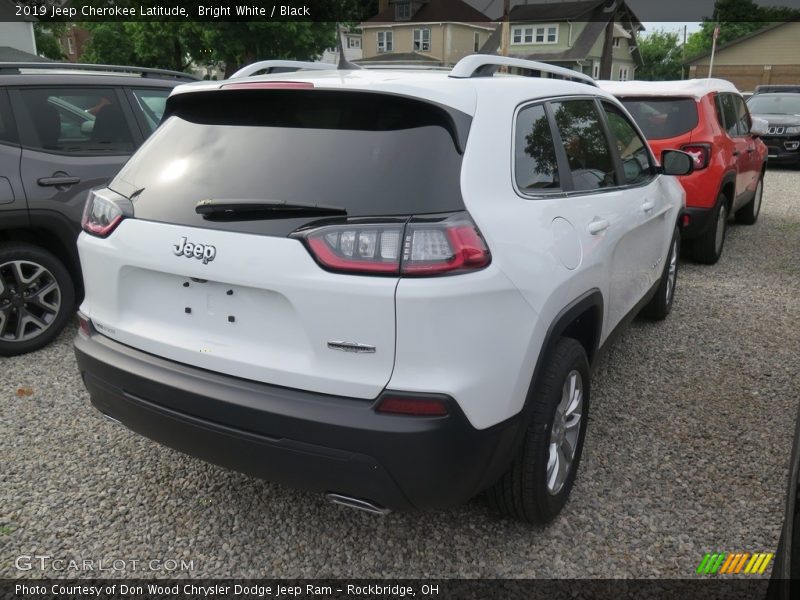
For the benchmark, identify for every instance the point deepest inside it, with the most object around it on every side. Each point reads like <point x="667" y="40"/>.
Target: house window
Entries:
<point x="70" y="45"/>
<point x="385" y="41"/>
<point x="476" y="42"/>
<point x="616" y="42"/>
<point x="596" y="70"/>
<point x="422" y="40"/>
<point x="403" y="11"/>
<point x="353" y="42"/>
<point x="624" y="73"/>
<point x="538" y="34"/>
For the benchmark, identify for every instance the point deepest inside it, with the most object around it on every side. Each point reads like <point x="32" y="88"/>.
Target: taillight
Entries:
<point x="103" y="212"/>
<point x="84" y="325"/>
<point x="417" y="247"/>
<point x="415" y="406"/>
<point x="700" y="153"/>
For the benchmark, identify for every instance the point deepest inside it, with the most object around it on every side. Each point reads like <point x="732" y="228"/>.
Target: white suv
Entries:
<point x="385" y="285"/>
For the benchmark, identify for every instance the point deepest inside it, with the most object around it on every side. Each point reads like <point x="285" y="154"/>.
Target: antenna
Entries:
<point x="344" y="64"/>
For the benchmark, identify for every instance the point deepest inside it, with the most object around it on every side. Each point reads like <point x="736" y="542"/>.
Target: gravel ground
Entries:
<point x="686" y="453"/>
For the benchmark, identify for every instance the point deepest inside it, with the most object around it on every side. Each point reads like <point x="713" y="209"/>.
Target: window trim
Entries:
<point x="421" y="31"/>
<point x="534" y="27"/>
<point x="627" y="70"/>
<point x="406" y="13"/>
<point x="616" y="42"/>
<point x="476" y="41"/>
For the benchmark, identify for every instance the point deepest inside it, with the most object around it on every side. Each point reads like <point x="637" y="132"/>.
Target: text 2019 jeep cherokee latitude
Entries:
<point x="388" y="286"/>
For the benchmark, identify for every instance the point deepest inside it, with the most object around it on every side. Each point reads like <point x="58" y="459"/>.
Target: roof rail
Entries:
<point x="485" y="65"/>
<point x="14" y="68"/>
<point x="283" y="65"/>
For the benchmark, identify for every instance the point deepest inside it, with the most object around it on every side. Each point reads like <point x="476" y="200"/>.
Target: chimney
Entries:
<point x="382" y="5"/>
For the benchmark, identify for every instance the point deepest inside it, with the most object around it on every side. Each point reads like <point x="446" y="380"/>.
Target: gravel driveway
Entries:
<point x="686" y="453"/>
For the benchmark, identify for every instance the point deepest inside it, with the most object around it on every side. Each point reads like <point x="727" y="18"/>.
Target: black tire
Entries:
<point x="708" y="247"/>
<point x="660" y="305"/>
<point x="52" y="309"/>
<point x="748" y="214"/>
<point x="522" y="492"/>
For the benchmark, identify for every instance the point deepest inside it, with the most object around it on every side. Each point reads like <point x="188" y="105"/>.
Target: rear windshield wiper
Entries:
<point x="262" y="209"/>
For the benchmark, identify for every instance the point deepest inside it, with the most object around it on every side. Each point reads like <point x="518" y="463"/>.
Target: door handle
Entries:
<point x="736" y="153"/>
<point x="648" y="205"/>
<point x="598" y="226"/>
<point x="60" y="180"/>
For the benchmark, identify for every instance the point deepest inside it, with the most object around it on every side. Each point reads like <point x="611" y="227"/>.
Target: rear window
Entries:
<point x="371" y="154"/>
<point x="662" y="118"/>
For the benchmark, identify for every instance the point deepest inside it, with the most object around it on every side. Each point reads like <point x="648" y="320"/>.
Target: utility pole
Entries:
<point x="713" y="50"/>
<point x="505" y="32"/>
<point x="683" y="53"/>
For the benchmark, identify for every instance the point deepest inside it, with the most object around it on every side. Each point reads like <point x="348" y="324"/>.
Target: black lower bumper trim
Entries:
<point x="301" y="439"/>
<point x="699" y="221"/>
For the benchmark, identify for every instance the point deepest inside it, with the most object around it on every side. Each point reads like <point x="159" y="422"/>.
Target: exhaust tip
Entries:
<point x="357" y="503"/>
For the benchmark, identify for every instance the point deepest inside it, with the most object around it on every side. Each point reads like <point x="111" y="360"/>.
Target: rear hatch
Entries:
<point x="211" y="272"/>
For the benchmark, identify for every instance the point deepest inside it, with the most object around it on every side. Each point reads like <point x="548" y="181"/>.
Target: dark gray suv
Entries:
<point x="64" y="129"/>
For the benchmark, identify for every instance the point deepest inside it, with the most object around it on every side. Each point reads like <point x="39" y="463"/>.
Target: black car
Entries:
<point x="781" y="109"/>
<point x="64" y="129"/>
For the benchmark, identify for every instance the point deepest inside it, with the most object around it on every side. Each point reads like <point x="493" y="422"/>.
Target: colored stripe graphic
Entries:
<point x="734" y="563"/>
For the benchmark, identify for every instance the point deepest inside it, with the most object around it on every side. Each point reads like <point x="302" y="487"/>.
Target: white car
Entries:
<point x="388" y="286"/>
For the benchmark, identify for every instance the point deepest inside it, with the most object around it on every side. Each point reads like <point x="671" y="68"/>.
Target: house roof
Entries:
<point x="400" y="57"/>
<point x="749" y="36"/>
<point x="592" y="12"/>
<point x="8" y="12"/>
<point x="434" y="11"/>
<point x="8" y="54"/>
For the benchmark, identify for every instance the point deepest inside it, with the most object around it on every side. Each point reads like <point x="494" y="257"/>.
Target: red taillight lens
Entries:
<point x="700" y="153"/>
<point x="101" y="214"/>
<point x="417" y="248"/>
<point x="416" y="407"/>
<point x="84" y="325"/>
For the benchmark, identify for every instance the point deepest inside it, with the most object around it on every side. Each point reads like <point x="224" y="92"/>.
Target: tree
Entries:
<point x="661" y="55"/>
<point x="47" y="39"/>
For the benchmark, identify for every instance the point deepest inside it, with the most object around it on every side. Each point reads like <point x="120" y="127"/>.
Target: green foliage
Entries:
<point x="661" y="55"/>
<point x="737" y="18"/>
<point x="47" y="36"/>
<point x="177" y="44"/>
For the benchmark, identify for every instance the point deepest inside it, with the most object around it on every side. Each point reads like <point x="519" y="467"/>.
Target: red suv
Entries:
<point x="707" y="118"/>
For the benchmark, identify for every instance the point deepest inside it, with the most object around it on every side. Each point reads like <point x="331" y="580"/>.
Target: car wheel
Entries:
<point x="708" y="248"/>
<point x="748" y="214"/>
<point x="37" y="298"/>
<point x="660" y="304"/>
<point x="537" y="484"/>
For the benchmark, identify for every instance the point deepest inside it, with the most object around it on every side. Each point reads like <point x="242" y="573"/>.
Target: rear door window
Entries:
<point x="726" y="113"/>
<point x="742" y="116"/>
<point x="151" y="104"/>
<point x="587" y="150"/>
<point x="8" y="130"/>
<point x="81" y="121"/>
<point x="663" y="118"/>
<point x="535" y="165"/>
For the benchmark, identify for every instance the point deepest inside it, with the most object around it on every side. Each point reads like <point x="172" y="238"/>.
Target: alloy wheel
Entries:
<point x="672" y="271"/>
<point x="30" y="300"/>
<point x="719" y="237"/>
<point x="565" y="432"/>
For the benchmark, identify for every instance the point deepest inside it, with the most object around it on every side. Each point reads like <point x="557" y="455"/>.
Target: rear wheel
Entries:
<point x="661" y="304"/>
<point x="537" y="484"/>
<point x="708" y="248"/>
<point x="748" y="214"/>
<point x="36" y="298"/>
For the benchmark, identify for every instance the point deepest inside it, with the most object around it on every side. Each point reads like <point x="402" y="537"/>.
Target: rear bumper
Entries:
<point x="699" y="221"/>
<point x="301" y="439"/>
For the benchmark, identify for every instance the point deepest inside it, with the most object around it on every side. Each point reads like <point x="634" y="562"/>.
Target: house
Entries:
<point x="17" y="42"/>
<point x="424" y="32"/>
<point x="351" y="42"/>
<point x="73" y="42"/>
<point x="573" y="35"/>
<point x="769" y="55"/>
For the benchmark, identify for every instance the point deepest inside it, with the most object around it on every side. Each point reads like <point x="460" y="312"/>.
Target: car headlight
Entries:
<point x="793" y="130"/>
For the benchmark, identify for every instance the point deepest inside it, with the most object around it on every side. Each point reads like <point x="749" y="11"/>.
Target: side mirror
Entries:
<point x="676" y="162"/>
<point x="759" y="127"/>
